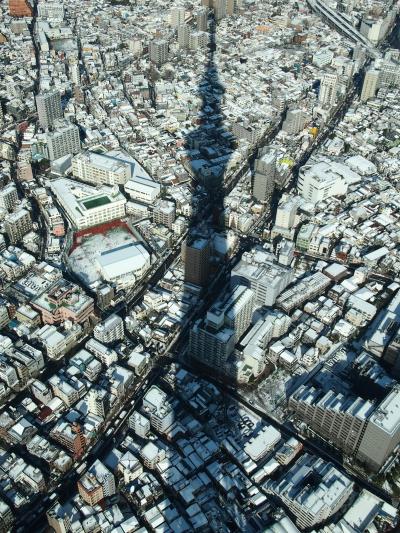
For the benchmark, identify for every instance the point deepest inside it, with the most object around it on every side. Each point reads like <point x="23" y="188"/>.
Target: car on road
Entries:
<point x="81" y="468"/>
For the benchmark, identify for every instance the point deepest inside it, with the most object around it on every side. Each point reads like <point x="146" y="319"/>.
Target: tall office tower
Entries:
<point x="259" y="271"/>
<point x="265" y="168"/>
<point x="63" y="140"/>
<point x="158" y="52"/>
<point x="196" y="256"/>
<point x="201" y="19"/>
<point x="213" y="338"/>
<point x="370" y="85"/>
<point x="19" y="8"/>
<point x="74" y="72"/>
<point x="328" y="89"/>
<point x="183" y="36"/>
<point x="177" y="16"/>
<point x="8" y="197"/>
<point x="295" y="121"/>
<point x="48" y="106"/>
<point x="220" y="9"/>
<point x="18" y="224"/>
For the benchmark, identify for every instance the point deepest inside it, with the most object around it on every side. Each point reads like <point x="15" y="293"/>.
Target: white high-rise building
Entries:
<point x="64" y="140"/>
<point x="382" y="434"/>
<point x="328" y="89"/>
<point x="286" y="213"/>
<point x="201" y="19"/>
<point x="158" y="51"/>
<point x="183" y="36"/>
<point x="177" y="16"/>
<point x="370" y="85"/>
<point x="49" y="108"/>
<point x="18" y="224"/>
<point x="8" y="374"/>
<point x="390" y="70"/>
<point x="358" y="427"/>
<point x="164" y="212"/>
<point x="315" y="501"/>
<point x="110" y="330"/>
<point x="4" y="318"/>
<point x="198" y="39"/>
<point x="220" y="9"/>
<point x="259" y="271"/>
<point x="8" y="197"/>
<point x="96" y="402"/>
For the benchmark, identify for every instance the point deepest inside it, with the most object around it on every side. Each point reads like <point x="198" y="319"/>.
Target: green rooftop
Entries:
<point x="96" y="202"/>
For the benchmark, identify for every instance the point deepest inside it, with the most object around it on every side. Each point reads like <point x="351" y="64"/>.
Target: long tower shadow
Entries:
<point x="209" y="147"/>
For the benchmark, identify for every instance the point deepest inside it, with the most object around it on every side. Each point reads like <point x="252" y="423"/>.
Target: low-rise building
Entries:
<point x="64" y="301"/>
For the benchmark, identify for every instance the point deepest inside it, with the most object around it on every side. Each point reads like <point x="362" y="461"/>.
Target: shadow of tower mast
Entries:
<point x="208" y="150"/>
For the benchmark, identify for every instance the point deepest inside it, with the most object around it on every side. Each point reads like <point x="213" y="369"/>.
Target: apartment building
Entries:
<point x="18" y="224"/>
<point x="213" y="338"/>
<point x="97" y="484"/>
<point x="110" y="330"/>
<point x="358" y="427"/>
<point x="111" y="168"/>
<point x="259" y="271"/>
<point x="156" y="404"/>
<point x="63" y="140"/>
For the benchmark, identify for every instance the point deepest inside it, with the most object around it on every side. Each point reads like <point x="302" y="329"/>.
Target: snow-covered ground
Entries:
<point x="82" y="260"/>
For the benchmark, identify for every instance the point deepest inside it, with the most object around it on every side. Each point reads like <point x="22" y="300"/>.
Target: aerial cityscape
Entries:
<point x="199" y="266"/>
